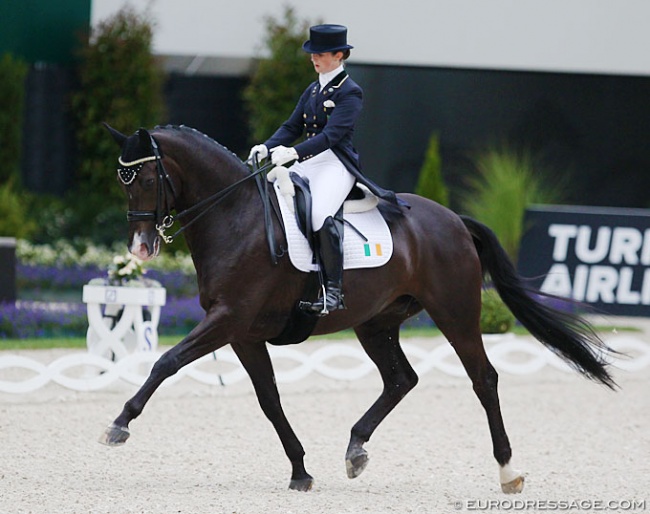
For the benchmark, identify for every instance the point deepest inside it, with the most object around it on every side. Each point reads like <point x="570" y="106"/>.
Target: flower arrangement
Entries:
<point x="125" y="268"/>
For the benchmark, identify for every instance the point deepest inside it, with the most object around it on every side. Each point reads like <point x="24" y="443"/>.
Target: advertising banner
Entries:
<point x="596" y="255"/>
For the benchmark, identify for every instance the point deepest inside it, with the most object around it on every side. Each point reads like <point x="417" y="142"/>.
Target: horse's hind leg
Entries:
<point x="465" y="337"/>
<point x="382" y="346"/>
<point x="255" y="359"/>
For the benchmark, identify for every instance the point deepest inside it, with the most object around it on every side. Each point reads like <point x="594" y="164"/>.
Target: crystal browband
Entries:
<point x="128" y="171"/>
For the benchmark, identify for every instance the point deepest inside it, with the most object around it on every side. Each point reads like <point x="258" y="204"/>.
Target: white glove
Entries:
<point x="280" y="155"/>
<point x="260" y="150"/>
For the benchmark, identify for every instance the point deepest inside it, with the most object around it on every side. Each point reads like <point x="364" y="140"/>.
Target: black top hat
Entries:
<point x="326" y="38"/>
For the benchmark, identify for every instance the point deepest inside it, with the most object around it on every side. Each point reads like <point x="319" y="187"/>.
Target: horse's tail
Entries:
<point x="567" y="335"/>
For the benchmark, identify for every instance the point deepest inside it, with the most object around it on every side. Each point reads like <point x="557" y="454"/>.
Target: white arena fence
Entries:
<point x="82" y="371"/>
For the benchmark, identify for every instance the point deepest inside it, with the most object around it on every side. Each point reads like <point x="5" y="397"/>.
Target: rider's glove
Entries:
<point x="261" y="151"/>
<point x="281" y="155"/>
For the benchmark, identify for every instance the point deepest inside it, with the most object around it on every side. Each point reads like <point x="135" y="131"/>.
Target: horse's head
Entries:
<point x="148" y="188"/>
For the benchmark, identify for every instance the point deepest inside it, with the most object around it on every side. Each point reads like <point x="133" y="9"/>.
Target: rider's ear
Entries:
<point x="117" y="135"/>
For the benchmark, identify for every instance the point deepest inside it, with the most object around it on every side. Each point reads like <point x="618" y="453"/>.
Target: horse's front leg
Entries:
<point x="255" y="359"/>
<point x="199" y="342"/>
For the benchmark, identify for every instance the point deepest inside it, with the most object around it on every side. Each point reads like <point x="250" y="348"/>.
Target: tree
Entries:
<point x="278" y="81"/>
<point x="12" y="98"/>
<point x="430" y="181"/>
<point x="120" y="83"/>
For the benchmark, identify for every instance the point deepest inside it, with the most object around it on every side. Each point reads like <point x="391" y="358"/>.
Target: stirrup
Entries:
<point x="322" y="310"/>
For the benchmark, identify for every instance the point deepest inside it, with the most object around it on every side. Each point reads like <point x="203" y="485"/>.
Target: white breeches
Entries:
<point x="330" y="183"/>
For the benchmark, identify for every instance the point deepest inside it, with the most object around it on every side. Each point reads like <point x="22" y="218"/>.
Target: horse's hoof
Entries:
<point x="514" y="486"/>
<point x="356" y="463"/>
<point x="304" y="484"/>
<point x="114" y="435"/>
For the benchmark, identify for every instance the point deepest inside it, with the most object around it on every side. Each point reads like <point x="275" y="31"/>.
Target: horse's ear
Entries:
<point x="117" y="135"/>
<point x="145" y="138"/>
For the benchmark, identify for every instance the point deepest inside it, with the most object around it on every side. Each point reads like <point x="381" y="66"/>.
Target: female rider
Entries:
<point x="327" y="111"/>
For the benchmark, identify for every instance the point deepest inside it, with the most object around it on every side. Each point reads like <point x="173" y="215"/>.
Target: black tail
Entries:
<point x="567" y="335"/>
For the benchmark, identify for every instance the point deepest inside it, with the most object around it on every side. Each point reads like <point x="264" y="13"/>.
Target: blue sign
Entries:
<point x="596" y="255"/>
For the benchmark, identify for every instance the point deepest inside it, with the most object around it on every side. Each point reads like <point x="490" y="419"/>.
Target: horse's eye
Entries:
<point x="149" y="183"/>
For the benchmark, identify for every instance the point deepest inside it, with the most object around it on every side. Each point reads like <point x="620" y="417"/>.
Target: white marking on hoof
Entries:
<point x="512" y="481"/>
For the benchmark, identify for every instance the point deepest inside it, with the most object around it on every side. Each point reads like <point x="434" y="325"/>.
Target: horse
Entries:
<point x="440" y="263"/>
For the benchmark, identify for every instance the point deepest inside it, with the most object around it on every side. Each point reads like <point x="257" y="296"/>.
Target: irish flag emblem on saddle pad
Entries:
<point x="373" y="251"/>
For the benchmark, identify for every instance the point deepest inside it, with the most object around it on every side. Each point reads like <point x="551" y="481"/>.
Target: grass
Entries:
<point x="171" y="340"/>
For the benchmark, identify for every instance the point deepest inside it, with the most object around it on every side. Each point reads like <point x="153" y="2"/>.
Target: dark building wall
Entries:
<point x="210" y="104"/>
<point x="594" y="127"/>
<point x="48" y="153"/>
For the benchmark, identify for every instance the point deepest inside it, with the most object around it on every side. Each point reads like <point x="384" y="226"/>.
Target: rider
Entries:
<point x="327" y="111"/>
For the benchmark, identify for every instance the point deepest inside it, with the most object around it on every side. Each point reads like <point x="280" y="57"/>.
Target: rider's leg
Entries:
<point x="330" y="245"/>
<point x="330" y="183"/>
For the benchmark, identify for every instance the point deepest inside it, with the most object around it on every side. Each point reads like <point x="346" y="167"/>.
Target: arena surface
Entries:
<point x="209" y="449"/>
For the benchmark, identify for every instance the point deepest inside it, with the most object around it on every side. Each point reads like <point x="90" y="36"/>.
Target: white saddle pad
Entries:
<point x="358" y="253"/>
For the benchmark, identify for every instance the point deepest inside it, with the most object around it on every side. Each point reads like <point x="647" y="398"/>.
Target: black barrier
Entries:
<point x="596" y="255"/>
<point x="7" y="269"/>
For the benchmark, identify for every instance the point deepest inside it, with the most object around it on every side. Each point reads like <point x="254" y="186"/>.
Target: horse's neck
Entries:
<point x="203" y="180"/>
<point x="239" y="212"/>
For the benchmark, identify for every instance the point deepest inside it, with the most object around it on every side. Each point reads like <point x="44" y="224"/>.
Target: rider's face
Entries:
<point x="324" y="63"/>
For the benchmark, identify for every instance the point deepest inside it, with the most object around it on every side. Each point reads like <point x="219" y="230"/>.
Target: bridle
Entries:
<point x="128" y="172"/>
<point x="162" y="216"/>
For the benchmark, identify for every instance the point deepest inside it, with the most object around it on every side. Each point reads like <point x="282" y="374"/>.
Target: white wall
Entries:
<point x="592" y="36"/>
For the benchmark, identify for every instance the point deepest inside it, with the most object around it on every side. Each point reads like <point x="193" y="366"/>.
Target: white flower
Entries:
<point x="328" y="104"/>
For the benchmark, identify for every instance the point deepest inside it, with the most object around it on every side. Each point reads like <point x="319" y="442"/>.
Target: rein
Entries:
<point x="206" y="204"/>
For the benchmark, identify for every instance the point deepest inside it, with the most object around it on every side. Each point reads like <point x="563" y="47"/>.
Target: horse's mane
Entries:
<point x="199" y="136"/>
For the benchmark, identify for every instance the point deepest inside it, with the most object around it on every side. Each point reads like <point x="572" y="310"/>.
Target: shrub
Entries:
<point x="506" y="184"/>
<point x="496" y="318"/>
<point x="12" y="95"/>
<point x="14" y="215"/>
<point x="279" y="80"/>
<point x="430" y="181"/>
<point x="120" y="83"/>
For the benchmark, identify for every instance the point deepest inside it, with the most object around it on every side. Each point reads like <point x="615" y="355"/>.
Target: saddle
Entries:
<point x="367" y="242"/>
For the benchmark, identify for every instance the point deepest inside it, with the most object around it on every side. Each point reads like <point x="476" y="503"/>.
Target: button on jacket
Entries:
<point x="324" y="127"/>
<point x="328" y="127"/>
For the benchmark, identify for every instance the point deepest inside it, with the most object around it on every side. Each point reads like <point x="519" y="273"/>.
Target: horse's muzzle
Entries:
<point x="144" y="246"/>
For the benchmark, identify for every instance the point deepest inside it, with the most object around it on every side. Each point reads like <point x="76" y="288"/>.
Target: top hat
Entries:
<point x="326" y="38"/>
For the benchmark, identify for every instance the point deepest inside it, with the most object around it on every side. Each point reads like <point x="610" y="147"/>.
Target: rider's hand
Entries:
<point x="260" y="150"/>
<point x="281" y="155"/>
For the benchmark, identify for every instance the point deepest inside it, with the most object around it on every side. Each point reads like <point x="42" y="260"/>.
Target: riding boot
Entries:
<point x="330" y="244"/>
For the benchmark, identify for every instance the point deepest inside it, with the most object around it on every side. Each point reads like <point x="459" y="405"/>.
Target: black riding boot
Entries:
<point x="330" y="244"/>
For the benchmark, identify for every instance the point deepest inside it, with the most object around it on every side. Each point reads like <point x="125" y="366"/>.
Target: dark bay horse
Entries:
<point x="438" y="264"/>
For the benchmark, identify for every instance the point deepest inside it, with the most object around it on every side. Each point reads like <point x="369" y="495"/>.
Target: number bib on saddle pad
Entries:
<point x="373" y="251"/>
